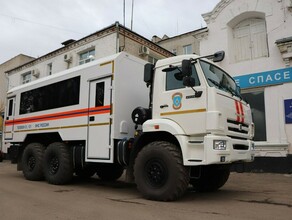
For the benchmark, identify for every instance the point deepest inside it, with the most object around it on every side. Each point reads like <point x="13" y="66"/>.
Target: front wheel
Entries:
<point x="159" y="172"/>
<point x="58" y="166"/>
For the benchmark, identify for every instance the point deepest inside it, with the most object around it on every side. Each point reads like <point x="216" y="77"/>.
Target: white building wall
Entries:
<point x="104" y="46"/>
<point x="278" y="17"/>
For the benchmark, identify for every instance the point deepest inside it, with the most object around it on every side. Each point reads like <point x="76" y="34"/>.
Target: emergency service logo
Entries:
<point x="177" y="100"/>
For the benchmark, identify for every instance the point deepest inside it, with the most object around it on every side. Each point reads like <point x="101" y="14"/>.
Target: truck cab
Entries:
<point x="197" y="106"/>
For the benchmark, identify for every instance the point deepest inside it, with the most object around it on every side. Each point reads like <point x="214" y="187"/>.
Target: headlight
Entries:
<point x="219" y="145"/>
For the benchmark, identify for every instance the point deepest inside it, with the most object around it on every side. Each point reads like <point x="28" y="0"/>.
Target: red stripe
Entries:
<point x="237" y="111"/>
<point x="242" y="112"/>
<point x="61" y="115"/>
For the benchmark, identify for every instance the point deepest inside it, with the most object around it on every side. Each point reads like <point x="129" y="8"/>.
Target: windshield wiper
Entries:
<point x="216" y="83"/>
<point x="231" y="91"/>
<point x="222" y="87"/>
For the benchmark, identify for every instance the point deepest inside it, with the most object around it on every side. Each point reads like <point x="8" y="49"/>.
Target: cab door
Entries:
<point x="99" y="146"/>
<point x="9" y="119"/>
<point x="179" y="103"/>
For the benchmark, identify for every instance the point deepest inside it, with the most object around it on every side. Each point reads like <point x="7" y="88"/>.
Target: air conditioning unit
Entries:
<point x="289" y="4"/>
<point x="68" y="58"/>
<point x="35" y="73"/>
<point x="143" y="50"/>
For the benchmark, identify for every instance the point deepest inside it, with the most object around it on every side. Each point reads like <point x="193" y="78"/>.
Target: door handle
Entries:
<point x="91" y="118"/>
<point x="164" y="106"/>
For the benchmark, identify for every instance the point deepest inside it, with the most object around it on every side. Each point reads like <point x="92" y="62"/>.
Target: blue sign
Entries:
<point x="288" y="111"/>
<point x="272" y="77"/>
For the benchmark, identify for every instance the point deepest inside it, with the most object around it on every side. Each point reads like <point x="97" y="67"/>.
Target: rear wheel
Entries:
<point x="32" y="161"/>
<point x="212" y="178"/>
<point x="58" y="166"/>
<point x="159" y="172"/>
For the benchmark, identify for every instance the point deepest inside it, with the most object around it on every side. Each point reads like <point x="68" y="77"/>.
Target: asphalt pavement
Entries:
<point x="244" y="196"/>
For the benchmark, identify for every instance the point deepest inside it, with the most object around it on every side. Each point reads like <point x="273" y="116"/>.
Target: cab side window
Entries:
<point x="174" y="79"/>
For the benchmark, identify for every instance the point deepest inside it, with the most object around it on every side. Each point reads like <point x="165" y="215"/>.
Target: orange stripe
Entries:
<point x="61" y="115"/>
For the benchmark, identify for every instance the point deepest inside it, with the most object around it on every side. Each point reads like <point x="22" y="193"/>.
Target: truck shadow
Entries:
<point x="190" y="196"/>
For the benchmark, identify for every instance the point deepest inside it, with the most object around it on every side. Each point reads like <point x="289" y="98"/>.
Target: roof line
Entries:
<point x="198" y="30"/>
<point x="116" y="24"/>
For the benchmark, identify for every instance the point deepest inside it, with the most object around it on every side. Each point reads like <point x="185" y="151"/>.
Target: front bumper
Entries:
<point x="204" y="154"/>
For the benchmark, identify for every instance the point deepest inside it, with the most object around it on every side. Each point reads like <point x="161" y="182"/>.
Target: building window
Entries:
<point x="86" y="57"/>
<point x="188" y="49"/>
<point x="256" y="99"/>
<point x="174" y="51"/>
<point x="49" y="69"/>
<point x="26" y="77"/>
<point x="250" y="40"/>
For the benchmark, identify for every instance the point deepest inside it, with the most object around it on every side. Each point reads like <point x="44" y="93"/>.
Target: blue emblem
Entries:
<point x="177" y="100"/>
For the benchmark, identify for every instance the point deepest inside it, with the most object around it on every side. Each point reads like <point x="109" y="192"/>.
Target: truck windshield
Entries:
<point x="219" y="79"/>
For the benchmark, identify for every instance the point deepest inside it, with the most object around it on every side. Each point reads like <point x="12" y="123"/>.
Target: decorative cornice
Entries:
<point x="211" y="16"/>
<point x="154" y="47"/>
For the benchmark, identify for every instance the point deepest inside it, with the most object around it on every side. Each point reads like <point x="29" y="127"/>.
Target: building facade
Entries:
<point x="10" y="64"/>
<point x="256" y="36"/>
<point x="108" y="41"/>
<point x="257" y="39"/>
<point x="187" y="43"/>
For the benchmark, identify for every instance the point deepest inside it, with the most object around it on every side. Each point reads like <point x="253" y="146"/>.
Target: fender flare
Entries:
<point x="156" y="125"/>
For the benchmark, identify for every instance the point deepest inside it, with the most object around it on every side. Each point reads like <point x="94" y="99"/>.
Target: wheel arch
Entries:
<point x="43" y="138"/>
<point x="148" y="137"/>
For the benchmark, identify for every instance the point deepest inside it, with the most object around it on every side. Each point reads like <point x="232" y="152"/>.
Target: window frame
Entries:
<point x="247" y="36"/>
<point x="24" y="75"/>
<point x="55" y="95"/>
<point x="86" y="54"/>
<point x="186" y="49"/>
<point x="179" y="85"/>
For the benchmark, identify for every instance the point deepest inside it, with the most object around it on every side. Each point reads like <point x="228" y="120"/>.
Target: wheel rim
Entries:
<point x="156" y="173"/>
<point x="31" y="163"/>
<point x="53" y="166"/>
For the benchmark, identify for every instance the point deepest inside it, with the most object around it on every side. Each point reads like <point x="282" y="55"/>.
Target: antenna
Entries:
<point x="124" y="11"/>
<point x="132" y="15"/>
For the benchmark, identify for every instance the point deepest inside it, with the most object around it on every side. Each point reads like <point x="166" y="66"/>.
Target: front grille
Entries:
<point x="236" y="127"/>
<point x="237" y="130"/>
<point x="240" y="147"/>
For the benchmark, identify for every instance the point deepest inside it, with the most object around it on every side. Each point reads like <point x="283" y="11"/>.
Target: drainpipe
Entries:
<point x="118" y="37"/>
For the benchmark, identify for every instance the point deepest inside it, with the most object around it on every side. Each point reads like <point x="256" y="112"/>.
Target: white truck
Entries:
<point x="187" y="126"/>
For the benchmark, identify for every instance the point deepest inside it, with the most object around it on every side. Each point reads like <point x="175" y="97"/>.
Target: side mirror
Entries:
<point x="148" y="73"/>
<point x="189" y="81"/>
<point x="186" y="67"/>
<point x="219" y="56"/>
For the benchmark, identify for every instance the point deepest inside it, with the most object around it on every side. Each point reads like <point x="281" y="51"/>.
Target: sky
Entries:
<point x="37" y="27"/>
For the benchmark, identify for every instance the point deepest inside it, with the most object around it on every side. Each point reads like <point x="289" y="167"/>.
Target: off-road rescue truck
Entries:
<point x="186" y="125"/>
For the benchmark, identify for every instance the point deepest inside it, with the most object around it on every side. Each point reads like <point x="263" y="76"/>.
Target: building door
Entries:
<point x="256" y="99"/>
<point x="99" y="146"/>
<point x="9" y="120"/>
